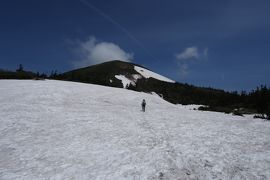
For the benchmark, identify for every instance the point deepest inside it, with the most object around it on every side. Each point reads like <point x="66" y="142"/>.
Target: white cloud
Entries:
<point x="188" y="53"/>
<point x="92" y="52"/>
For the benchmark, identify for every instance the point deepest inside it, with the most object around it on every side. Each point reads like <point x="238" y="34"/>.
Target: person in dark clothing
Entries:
<point x="143" y="105"/>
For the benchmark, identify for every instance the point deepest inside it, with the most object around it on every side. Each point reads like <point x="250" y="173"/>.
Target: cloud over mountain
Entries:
<point x="92" y="51"/>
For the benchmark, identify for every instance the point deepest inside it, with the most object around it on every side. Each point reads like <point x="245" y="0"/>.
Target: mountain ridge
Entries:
<point x="105" y="73"/>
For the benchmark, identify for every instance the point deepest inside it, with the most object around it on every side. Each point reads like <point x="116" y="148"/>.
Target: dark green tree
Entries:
<point x="20" y="69"/>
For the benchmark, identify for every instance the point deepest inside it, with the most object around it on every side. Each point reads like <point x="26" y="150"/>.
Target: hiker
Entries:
<point x="143" y="105"/>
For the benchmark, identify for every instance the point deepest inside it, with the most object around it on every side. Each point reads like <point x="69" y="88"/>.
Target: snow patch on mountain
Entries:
<point x="131" y="79"/>
<point x="136" y="76"/>
<point x="125" y="81"/>
<point x="147" y="74"/>
<point x="128" y="81"/>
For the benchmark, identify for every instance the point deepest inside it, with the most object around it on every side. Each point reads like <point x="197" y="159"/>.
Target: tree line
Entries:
<point x="238" y="103"/>
<point x="21" y="73"/>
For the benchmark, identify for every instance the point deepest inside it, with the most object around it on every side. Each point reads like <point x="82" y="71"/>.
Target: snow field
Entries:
<point x="66" y="130"/>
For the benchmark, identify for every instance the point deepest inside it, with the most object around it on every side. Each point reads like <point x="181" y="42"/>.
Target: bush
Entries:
<point x="203" y="108"/>
<point x="268" y="115"/>
<point x="236" y="112"/>
<point x="226" y="110"/>
<point x="259" y="116"/>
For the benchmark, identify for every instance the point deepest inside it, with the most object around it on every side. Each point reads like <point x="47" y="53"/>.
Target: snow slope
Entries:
<point x="142" y="72"/>
<point x="147" y="74"/>
<point x="67" y="130"/>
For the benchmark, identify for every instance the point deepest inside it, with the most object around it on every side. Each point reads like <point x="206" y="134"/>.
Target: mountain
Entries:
<point x="114" y="73"/>
<point x="67" y="130"/>
<point x="136" y="77"/>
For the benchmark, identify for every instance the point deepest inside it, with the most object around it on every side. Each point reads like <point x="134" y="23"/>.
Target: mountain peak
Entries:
<point x="114" y="73"/>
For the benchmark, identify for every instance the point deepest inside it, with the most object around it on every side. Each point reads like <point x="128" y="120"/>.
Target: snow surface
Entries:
<point x="67" y="130"/>
<point x="136" y="76"/>
<point x="147" y="74"/>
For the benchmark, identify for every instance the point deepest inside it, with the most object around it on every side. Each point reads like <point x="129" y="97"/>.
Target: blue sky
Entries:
<point x="221" y="44"/>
